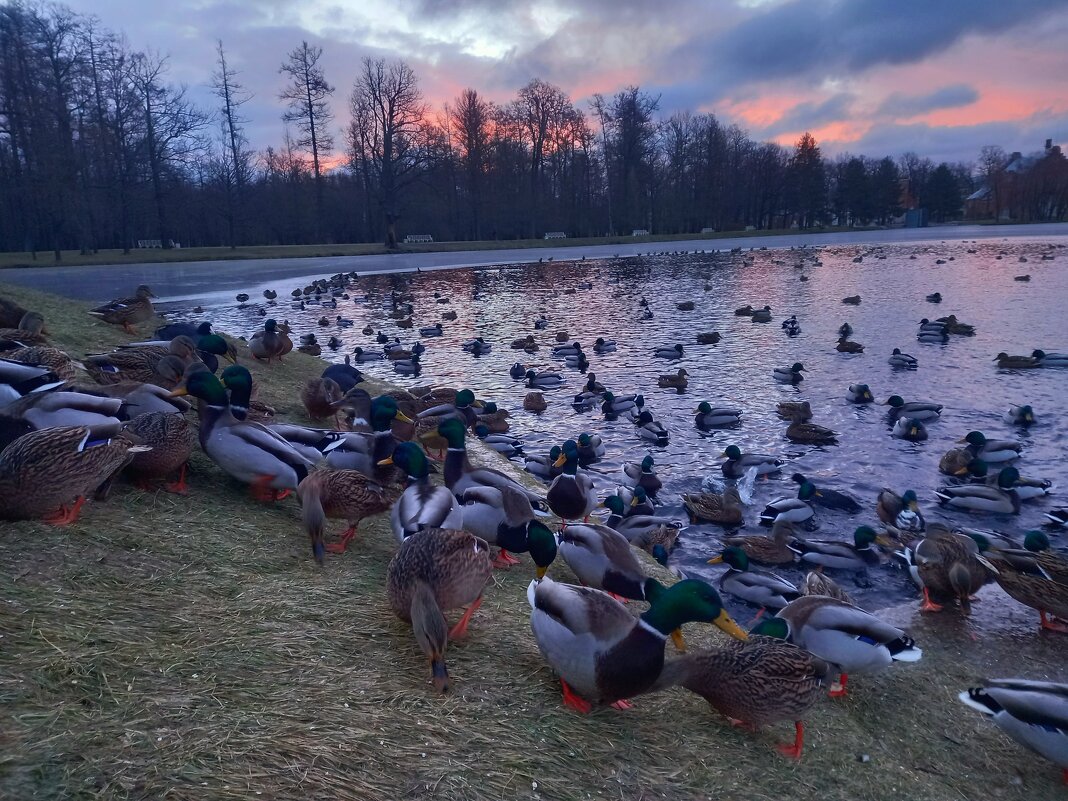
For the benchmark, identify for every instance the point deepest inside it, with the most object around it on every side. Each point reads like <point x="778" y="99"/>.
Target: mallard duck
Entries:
<point x="643" y="474"/>
<point x="563" y="351"/>
<point x="504" y="517"/>
<point x="991" y="451"/>
<point x="659" y="542"/>
<point x="903" y="361"/>
<point x="1007" y="362"/>
<point x="18" y="379"/>
<point x="1057" y="517"/>
<point x="709" y="507"/>
<point x="602" y="345"/>
<point x="773" y="549"/>
<point x="789" y="375"/>
<point x="562" y="336"/>
<point x="45" y="475"/>
<point x="763" y="589"/>
<point x="590" y="448"/>
<point x="852" y="300"/>
<point x="361" y="356"/>
<point x="523" y="343"/>
<point x="810" y="433"/>
<point x="794" y="410"/>
<point x="916" y="410"/>
<point x="819" y="583"/>
<point x="10" y="313"/>
<point x="434" y="571"/>
<point x="171" y="439"/>
<point x="1024" y="277"/>
<point x="1020" y="416"/>
<point x="435" y="330"/>
<point x="851" y="639"/>
<point x="60" y="408"/>
<point x="421" y="505"/>
<point x="668" y="352"/>
<point x="831" y="499"/>
<point x="708" y="416"/>
<point x="634" y="527"/>
<point x="760" y="681"/>
<point x="249" y="452"/>
<point x="900" y="511"/>
<point x="856" y="556"/>
<point x="708" y="338"/>
<point x="999" y="499"/>
<point x="493" y="418"/>
<point x="744" y="311"/>
<point x="344" y="375"/>
<point x="322" y="398"/>
<point x="762" y="315"/>
<point x="686" y="305"/>
<point x="268" y="343"/>
<point x="738" y="464"/>
<point x="477" y="346"/>
<point x="956" y="327"/>
<point x="674" y="381"/>
<point x="410" y="366"/>
<point x="53" y="359"/>
<point x="910" y="429"/>
<point x="603" y="653"/>
<point x="948" y="566"/>
<point x="340" y="494"/>
<point x="1036" y="577"/>
<point x="601" y="557"/>
<point x="534" y="402"/>
<point x="1033" y="713"/>
<point x="460" y="475"/>
<point x="845" y="330"/>
<point x="956" y="462"/>
<point x="859" y="393"/>
<point x="651" y="430"/>
<point x="148" y="364"/>
<point x="846" y="346"/>
<point x="1050" y="359"/>
<point x="571" y="495"/>
<point x="544" y="466"/>
<point x="462" y="406"/>
<point x="543" y="380"/>
<point x="593" y="386"/>
<point x="1009" y="477"/>
<point x="127" y="311"/>
<point x="934" y="297"/>
<point x="613" y="405"/>
<point x="504" y="444"/>
<point x="792" y="510"/>
<point x="30" y="330"/>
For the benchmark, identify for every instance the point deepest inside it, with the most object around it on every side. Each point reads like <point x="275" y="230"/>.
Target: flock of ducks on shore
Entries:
<point x="63" y="440"/>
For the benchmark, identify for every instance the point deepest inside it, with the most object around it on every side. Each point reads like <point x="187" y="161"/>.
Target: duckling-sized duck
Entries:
<point x="999" y="499"/>
<point x="789" y="375"/>
<point x="900" y="511"/>
<point x="852" y="300"/>
<point x="127" y="312"/>
<point x="847" y="346"/>
<point x="857" y="556"/>
<point x="991" y="451"/>
<point x="1033" y="713"/>
<point x="602" y="345"/>
<point x="571" y="495"/>
<point x="1020" y="416"/>
<point x="643" y="474"/>
<point x="831" y="499"/>
<point x="421" y="505"/>
<point x="434" y="571"/>
<point x="910" y="429"/>
<point x="708" y="416"/>
<point x="603" y="653"/>
<point x="903" y="361"/>
<point x="169" y="440"/>
<point x="543" y="466"/>
<point x="340" y="495"/>
<point x="948" y="566"/>
<point x="744" y="311"/>
<point x="738" y="464"/>
<point x="1007" y="362"/>
<point x="668" y="352"/>
<point x="859" y="393"/>
<point x="773" y="549"/>
<point x="1050" y="359"/>
<point x="543" y="380"/>
<point x="819" y="583"/>
<point x="766" y="590"/>
<point x="792" y="510"/>
<point x="677" y="381"/>
<point x="267" y="344"/>
<point x="504" y="517"/>
<point x="810" y="433"/>
<point x="851" y="639"/>
<point x="762" y="315"/>
<point x="760" y="681"/>
<point x="708" y="338"/>
<point x="916" y="410"/>
<point x="1036" y="577"/>
<point x="651" y="430"/>
<point x="710" y="507"/>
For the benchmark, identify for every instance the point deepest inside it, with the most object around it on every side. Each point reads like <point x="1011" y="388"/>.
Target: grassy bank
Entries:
<point x="73" y="258"/>
<point x="189" y="648"/>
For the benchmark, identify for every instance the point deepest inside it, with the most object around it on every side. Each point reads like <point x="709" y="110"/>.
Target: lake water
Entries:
<point x="893" y="280"/>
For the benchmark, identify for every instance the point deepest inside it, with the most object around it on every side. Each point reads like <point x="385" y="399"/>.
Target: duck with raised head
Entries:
<point x="903" y="361"/>
<point x="900" y="511"/>
<point x="651" y="430"/>
<point x="643" y="474"/>
<point x="602" y="345"/>
<point x="852" y="640"/>
<point x="432" y="572"/>
<point x="792" y="510"/>
<point x="789" y="375"/>
<point x="678" y="381"/>
<point x="916" y="410"/>
<point x="765" y="590"/>
<point x="848" y="346"/>
<point x="590" y="448"/>
<point x="571" y="495"/>
<point x="460" y="475"/>
<point x="612" y="404"/>
<point x="422" y="505"/>
<point x="948" y="567"/>
<point x="267" y="344"/>
<point x="709" y="416"/>
<point x="129" y="311"/>
<point x="604" y="654"/>
<point x="738" y="464"/>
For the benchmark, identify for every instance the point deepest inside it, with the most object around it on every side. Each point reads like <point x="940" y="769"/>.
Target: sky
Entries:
<point x="874" y="77"/>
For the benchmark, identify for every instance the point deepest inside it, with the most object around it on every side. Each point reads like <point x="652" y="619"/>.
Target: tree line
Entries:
<point x="100" y="149"/>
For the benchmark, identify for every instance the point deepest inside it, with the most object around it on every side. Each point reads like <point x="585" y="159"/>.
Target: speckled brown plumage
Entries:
<point x="320" y="397"/>
<point x="53" y="358"/>
<point x="708" y="507"/>
<point x="770" y="550"/>
<point x="341" y="495"/>
<point x="171" y="438"/>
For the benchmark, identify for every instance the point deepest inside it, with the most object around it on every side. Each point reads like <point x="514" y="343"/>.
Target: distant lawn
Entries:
<point x="72" y="258"/>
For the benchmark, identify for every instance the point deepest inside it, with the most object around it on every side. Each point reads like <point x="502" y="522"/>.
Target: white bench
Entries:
<point x="708" y="230"/>
<point x="639" y="232"/>
<point x="555" y="235"/>
<point x="418" y="239"/>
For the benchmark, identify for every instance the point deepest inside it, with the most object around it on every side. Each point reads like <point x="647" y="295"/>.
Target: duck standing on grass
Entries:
<point x="127" y="311"/>
<point x="422" y="505"/>
<point x="340" y="494"/>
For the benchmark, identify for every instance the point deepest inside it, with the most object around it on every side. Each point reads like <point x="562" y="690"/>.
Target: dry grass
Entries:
<point x="189" y="648"/>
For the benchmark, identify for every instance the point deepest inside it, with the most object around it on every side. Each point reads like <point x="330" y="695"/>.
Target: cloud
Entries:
<point x="901" y="106"/>
<point x="809" y="115"/>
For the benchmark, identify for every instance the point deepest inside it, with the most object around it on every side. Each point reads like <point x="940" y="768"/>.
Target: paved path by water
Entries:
<point x="183" y="280"/>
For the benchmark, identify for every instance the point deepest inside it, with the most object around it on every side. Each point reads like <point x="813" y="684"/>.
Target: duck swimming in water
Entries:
<point x="789" y="375"/>
<point x="903" y="361"/>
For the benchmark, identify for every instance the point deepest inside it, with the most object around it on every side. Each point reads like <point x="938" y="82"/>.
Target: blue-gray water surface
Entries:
<point x="976" y="285"/>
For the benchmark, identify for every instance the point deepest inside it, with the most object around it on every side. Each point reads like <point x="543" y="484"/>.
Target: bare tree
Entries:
<point x="236" y="159"/>
<point x="539" y="108"/>
<point x="992" y="161"/>
<point x="306" y="97"/>
<point x="472" y="119"/>
<point x="388" y="104"/>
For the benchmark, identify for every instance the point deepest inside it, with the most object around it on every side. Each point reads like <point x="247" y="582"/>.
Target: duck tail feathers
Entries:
<point x="904" y="649"/>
